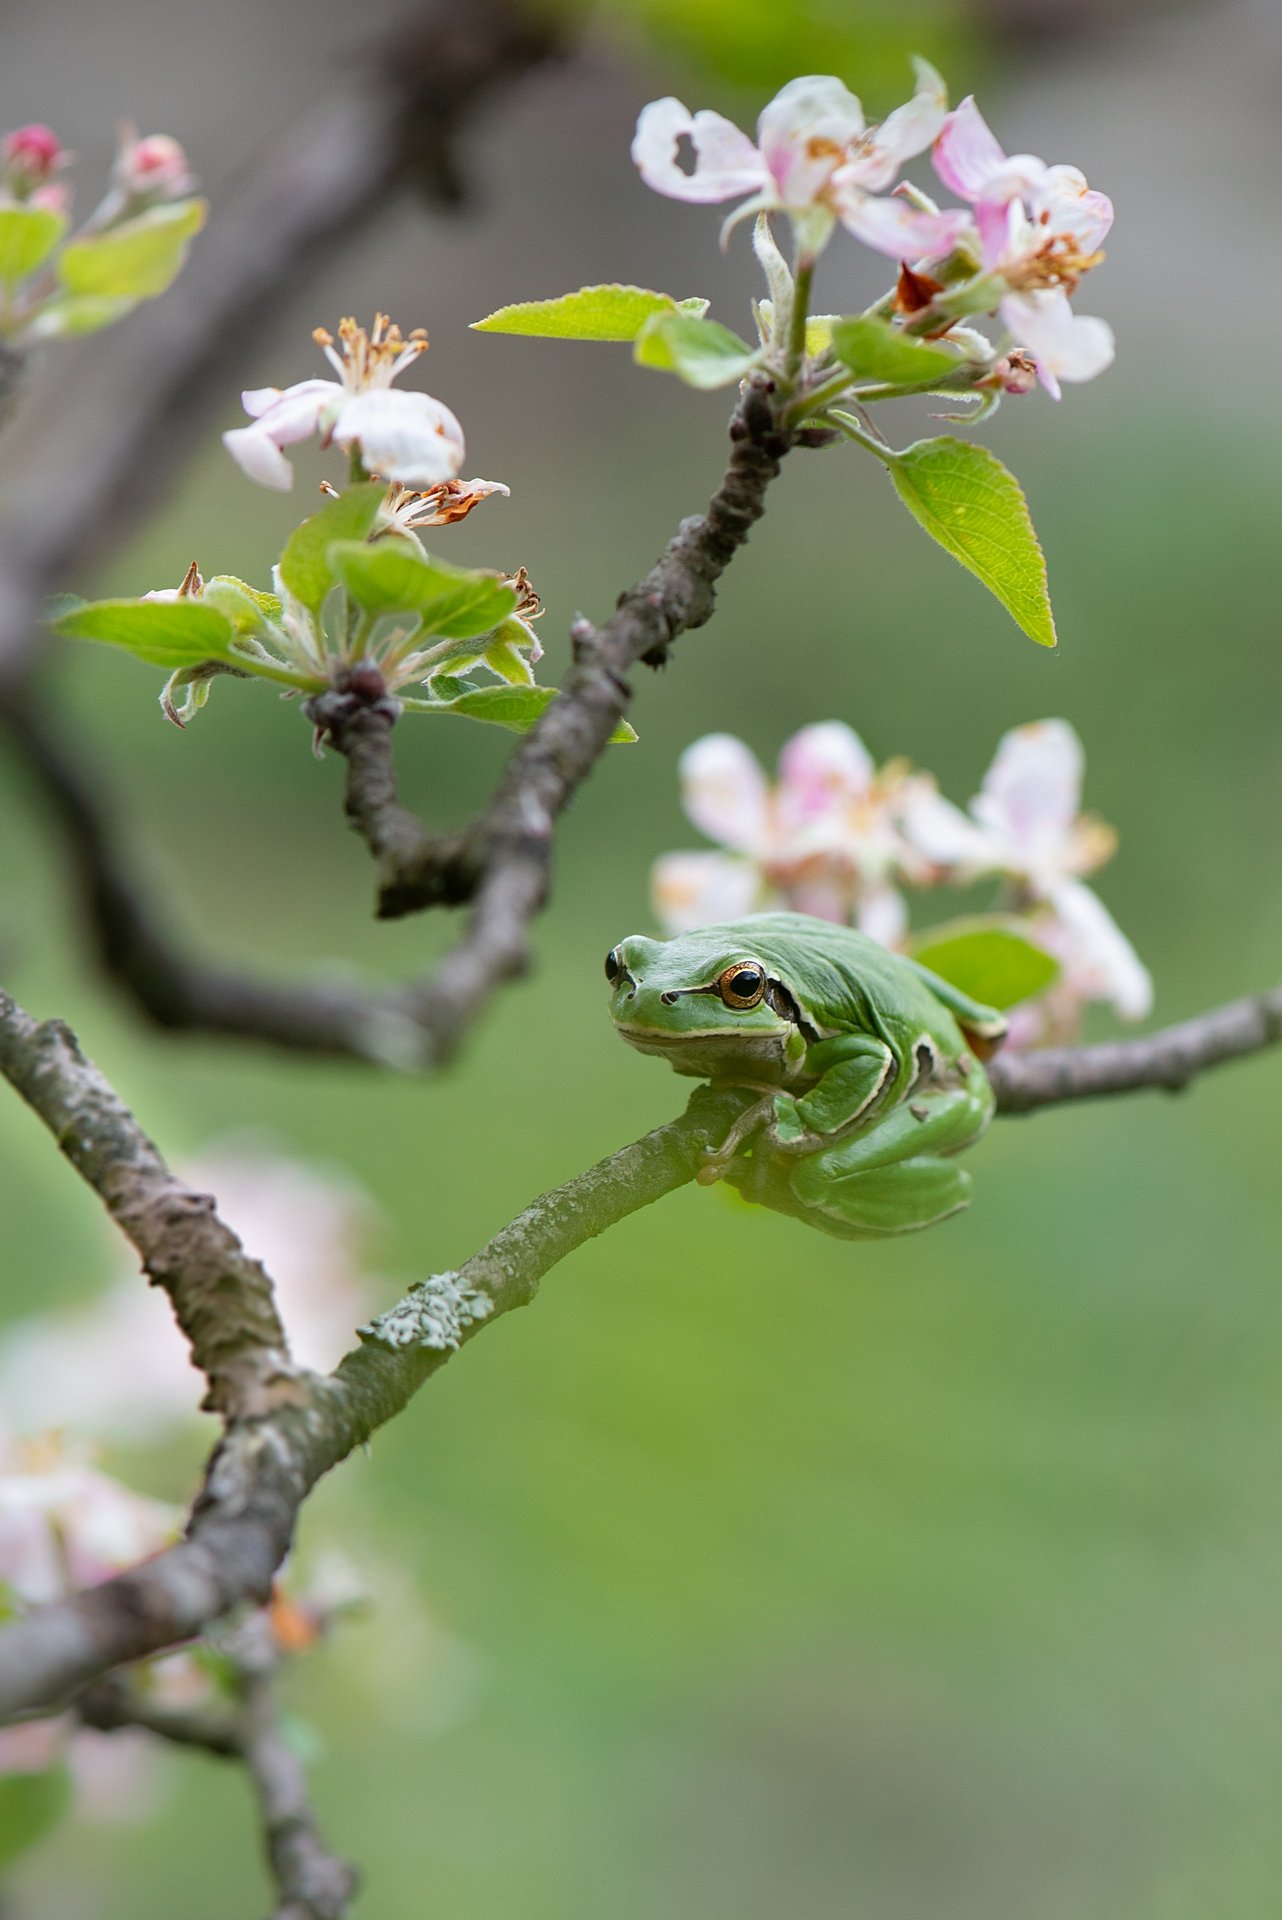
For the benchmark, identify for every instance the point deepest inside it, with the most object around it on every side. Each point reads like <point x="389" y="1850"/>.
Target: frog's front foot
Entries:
<point x="718" y="1159"/>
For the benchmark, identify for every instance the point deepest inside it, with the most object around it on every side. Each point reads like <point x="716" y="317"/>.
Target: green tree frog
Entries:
<point x="868" y="1067"/>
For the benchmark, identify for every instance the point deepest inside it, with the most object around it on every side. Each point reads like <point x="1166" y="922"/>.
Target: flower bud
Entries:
<point x="31" y="155"/>
<point x="153" y="168"/>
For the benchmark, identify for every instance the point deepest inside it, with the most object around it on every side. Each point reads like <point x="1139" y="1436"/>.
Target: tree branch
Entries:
<point x="264" y="1467"/>
<point x="222" y="1299"/>
<point x="1168" y="1059"/>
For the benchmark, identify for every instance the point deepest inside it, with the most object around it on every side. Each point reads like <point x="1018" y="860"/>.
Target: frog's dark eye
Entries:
<point x="613" y="967"/>
<point x="743" y="984"/>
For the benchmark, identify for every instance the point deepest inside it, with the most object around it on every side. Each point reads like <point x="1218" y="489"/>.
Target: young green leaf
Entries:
<point x="455" y="603"/>
<point x="874" y="350"/>
<point x="164" y="633"/>
<point x="989" y="958"/>
<point x="516" y="708"/>
<point x="593" y="313"/>
<point x="703" y="353"/>
<point x="137" y="259"/>
<point x="974" y="507"/>
<point x="77" y="314"/>
<point x="304" y="567"/>
<point x="28" y="235"/>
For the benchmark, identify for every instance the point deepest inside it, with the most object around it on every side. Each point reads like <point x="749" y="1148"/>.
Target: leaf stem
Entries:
<point x="803" y="277"/>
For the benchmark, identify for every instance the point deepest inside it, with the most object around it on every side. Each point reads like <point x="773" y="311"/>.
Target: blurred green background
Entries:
<point x="766" y="1574"/>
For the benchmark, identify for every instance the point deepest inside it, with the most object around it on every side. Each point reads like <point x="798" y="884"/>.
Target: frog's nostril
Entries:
<point x="668" y="999"/>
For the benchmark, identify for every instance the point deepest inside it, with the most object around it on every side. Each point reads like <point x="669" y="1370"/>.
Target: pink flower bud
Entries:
<point x="152" y="168"/>
<point x="31" y="154"/>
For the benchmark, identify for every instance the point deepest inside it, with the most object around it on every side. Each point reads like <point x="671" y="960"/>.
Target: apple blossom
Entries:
<point x="827" y="839"/>
<point x="1028" y="813"/>
<point x="152" y="168"/>
<point x="405" y="437"/>
<point x="1038" y="230"/>
<point x="815" y="159"/>
<point x="29" y="156"/>
<point x="407" y="508"/>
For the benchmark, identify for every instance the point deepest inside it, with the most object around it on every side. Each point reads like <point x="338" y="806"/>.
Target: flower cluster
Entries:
<point x="130" y="248"/>
<point x="1016" y="250"/>
<point x="837" y="837"/>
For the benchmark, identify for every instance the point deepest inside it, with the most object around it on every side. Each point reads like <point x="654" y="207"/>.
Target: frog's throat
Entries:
<point x="714" y="1051"/>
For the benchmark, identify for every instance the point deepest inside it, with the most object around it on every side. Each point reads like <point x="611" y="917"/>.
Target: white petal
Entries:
<point x="941" y="833"/>
<point x="882" y="915"/>
<point x="256" y="400"/>
<point x="726" y="162"/>
<point x="1098" y="958"/>
<point x="1030" y="799"/>
<point x="907" y="131"/>
<point x="724" y="792"/>
<point x="295" y="414"/>
<point x="804" y="134"/>
<point x="257" y="454"/>
<point x="408" y="437"/>
<point x="1066" y="204"/>
<point x="1066" y="345"/>
<point x="701" y="889"/>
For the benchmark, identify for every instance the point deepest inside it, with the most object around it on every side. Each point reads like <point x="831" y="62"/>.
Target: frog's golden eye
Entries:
<point x="743" y="984"/>
<point x="613" y="967"/>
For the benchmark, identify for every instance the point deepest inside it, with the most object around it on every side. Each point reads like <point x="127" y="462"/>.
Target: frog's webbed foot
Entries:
<point x="718" y="1159"/>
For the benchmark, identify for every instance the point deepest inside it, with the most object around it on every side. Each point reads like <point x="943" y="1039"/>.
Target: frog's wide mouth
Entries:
<point x="671" y="1040"/>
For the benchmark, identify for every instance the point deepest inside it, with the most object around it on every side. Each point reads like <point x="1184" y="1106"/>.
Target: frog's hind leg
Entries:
<point x="898" y="1176"/>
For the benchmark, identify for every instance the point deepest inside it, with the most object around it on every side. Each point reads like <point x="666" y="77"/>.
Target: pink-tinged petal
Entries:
<point x="822" y="771"/>
<point x="941" y="835"/>
<point x="1002" y="227"/>
<point x="893" y="226"/>
<point x="966" y="153"/>
<point x="804" y="134"/>
<point x="256" y="454"/>
<point x="701" y="889"/>
<point x="1030" y="798"/>
<point x="726" y="162"/>
<point x="1019" y="178"/>
<point x="408" y="437"/>
<point x="296" y="413"/>
<point x="724" y="792"/>
<point x="908" y="131"/>
<point x="882" y="915"/>
<point x="256" y="400"/>
<point x="1099" y="961"/>
<point x="1066" y="345"/>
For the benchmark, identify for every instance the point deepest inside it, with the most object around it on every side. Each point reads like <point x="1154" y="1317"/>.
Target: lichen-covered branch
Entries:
<point x="1168" y="1059"/>
<point x="222" y="1299"/>
<point x="242" y="1522"/>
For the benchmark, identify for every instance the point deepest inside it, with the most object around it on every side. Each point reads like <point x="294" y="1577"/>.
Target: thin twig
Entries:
<point x="1167" y="1059"/>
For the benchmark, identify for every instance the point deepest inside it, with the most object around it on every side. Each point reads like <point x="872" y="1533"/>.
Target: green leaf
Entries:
<point x="304" y="566"/>
<point x="77" y="314"/>
<point x="28" y="235"/>
<point x="968" y="502"/>
<point x="516" y="708"/>
<point x="165" y="633"/>
<point x="248" y="611"/>
<point x="703" y="353"/>
<point x="455" y="603"/>
<point x="874" y="350"/>
<point x="137" y="259"/>
<point x="31" y="1804"/>
<point x="593" y="313"/>
<point x="989" y="958"/>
